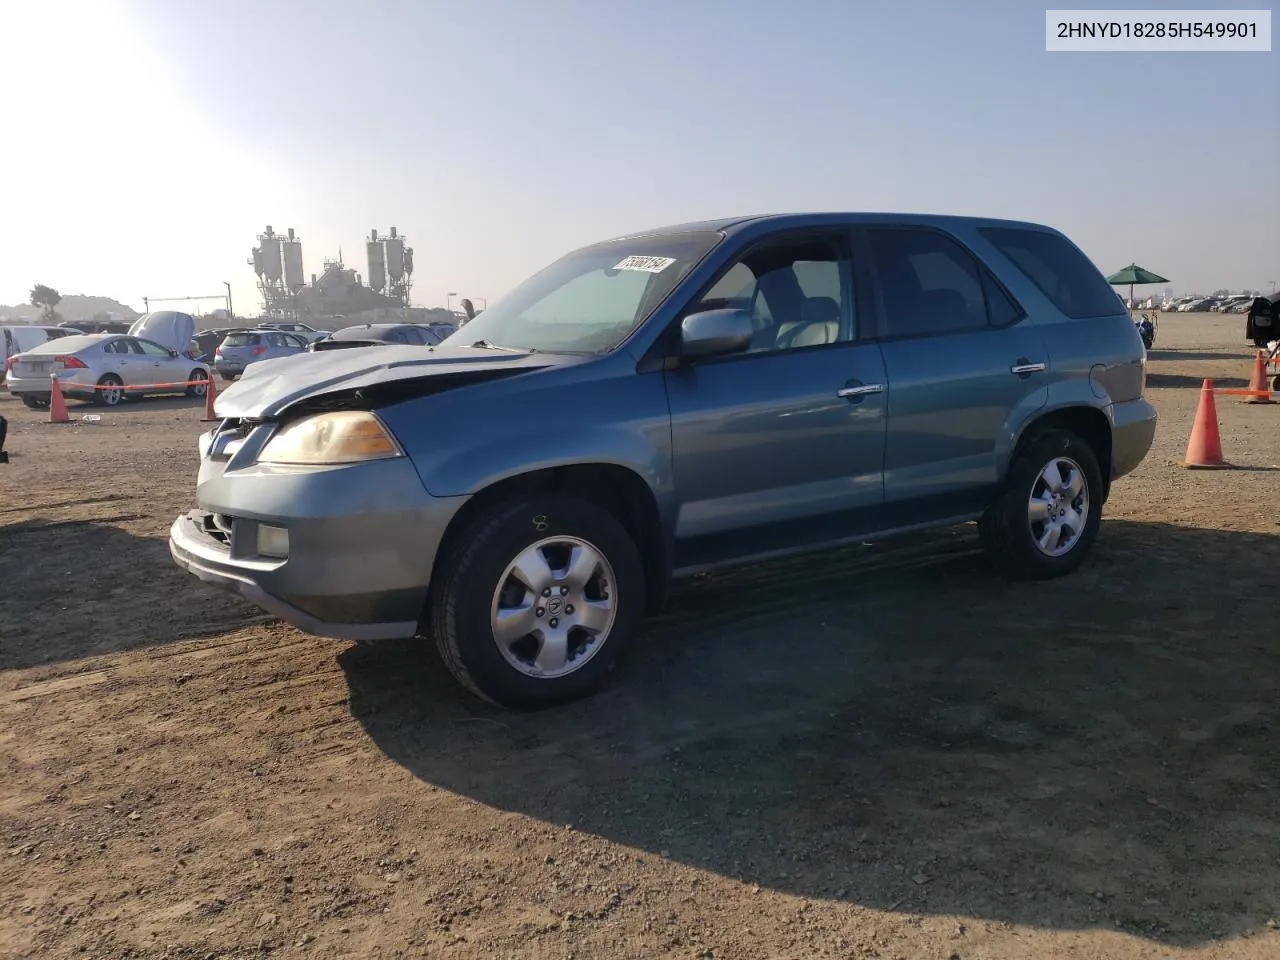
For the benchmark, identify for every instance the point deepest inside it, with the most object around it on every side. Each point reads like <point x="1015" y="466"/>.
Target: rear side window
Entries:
<point x="1058" y="268"/>
<point x="241" y="340"/>
<point x="928" y="282"/>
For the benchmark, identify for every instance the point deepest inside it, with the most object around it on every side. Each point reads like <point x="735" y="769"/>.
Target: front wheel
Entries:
<point x="197" y="383"/>
<point x="537" y="601"/>
<point x="34" y="402"/>
<point x="1047" y="516"/>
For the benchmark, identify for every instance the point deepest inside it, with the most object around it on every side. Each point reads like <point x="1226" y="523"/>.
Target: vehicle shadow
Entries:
<point x="1183" y="380"/>
<point x="69" y="589"/>
<point x="1219" y="355"/>
<point x="901" y="729"/>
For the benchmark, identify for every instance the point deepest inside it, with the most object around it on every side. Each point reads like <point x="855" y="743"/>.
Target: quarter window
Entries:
<point x="1059" y="269"/>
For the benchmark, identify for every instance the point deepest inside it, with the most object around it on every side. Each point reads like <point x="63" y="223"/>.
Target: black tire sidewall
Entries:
<point x="460" y="607"/>
<point x="100" y="395"/>
<point x="1009" y="533"/>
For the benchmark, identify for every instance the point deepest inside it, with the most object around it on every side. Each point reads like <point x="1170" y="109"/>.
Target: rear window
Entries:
<point x="1058" y="268"/>
<point x="241" y="340"/>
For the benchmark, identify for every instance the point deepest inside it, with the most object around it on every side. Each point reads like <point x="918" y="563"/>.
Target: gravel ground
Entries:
<point x="884" y="752"/>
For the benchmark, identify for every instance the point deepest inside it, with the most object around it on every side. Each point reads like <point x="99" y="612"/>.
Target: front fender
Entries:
<point x="464" y="441"/>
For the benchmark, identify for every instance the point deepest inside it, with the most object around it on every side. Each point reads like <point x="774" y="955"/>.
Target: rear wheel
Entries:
<point x="537" y="601"/>
<point x="40" y="402"/>
<point x="1047" y="516"/>
<point x="110" y="391"/>
<point x="197" y="383"/>
<point x="227" y="376"/>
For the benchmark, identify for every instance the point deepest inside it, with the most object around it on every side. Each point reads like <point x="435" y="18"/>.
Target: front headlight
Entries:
<point x="345" y="436"/>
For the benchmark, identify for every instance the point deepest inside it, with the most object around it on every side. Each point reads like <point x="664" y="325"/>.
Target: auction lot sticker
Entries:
<point x="645" y="264"/>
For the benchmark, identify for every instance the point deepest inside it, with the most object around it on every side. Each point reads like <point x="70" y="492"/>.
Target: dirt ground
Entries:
<point x="887" y="752"/>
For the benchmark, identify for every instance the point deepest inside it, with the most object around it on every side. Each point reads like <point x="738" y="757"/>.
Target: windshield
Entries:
<point x="590" y="300"/>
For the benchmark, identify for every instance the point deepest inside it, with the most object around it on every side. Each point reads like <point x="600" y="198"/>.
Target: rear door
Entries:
<point x="964" y="367"/>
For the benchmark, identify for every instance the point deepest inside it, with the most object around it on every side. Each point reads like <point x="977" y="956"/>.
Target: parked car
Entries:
<point x="1262" y="326"/>
<point x="668" y="403"/>
<point x="240" y="348"/>
<point x="302" y="330"/>
<point x="20" y="337"/>
<point x="380" y="334"/>
<point x="95" y="326"/>
<point x="105" y="368"/>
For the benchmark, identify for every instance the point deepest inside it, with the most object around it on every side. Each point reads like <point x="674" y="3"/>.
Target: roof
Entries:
<point x="731" y="225"/>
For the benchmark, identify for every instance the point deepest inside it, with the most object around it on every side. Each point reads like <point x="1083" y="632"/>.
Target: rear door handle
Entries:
<point x="1023" y="368"/>
<point x="853" y="390"/>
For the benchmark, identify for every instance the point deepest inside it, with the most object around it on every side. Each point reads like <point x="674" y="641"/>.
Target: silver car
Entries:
<point x="243" y="347"/>
<point x="104" y="368"/>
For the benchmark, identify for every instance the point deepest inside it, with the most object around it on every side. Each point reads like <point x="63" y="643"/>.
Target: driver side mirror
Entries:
<point x="714" y="333"/>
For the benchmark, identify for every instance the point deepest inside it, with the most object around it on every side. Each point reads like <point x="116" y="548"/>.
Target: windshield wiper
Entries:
<point x="490" y="345"/>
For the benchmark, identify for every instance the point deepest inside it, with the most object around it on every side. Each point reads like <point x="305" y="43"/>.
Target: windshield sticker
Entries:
<point x="645" y="264"/>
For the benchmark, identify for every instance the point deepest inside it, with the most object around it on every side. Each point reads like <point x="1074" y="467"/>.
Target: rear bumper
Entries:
<point x="362" y="542"/>
<point x="1133" y="430"/>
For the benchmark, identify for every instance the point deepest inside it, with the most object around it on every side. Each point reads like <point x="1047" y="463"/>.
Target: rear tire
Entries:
<point x="110" y="391"/>
<point x="197" y="389"/>
<point x="227" y="376"/>
<point x="476" y="587"/>
<point x="1042" y="495"/>
<point x="35" y="402"/>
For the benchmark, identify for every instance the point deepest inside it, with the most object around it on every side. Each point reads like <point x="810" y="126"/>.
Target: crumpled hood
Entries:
<point x="269" y="387"/>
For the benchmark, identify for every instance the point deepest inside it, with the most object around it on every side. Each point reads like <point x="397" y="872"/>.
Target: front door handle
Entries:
<point x="854" y="390"/>
<point x="1024" y="368"/>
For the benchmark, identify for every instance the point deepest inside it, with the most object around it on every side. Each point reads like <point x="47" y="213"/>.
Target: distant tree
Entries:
<point x="46" y="298"/>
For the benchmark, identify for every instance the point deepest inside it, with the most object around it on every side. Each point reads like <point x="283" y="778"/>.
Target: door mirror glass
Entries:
<point x="713" y="333"/>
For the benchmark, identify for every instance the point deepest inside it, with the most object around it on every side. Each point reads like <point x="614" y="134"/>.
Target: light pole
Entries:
<point x="1273" y="288"/>
<point x="448" y="303"/>
<point x="230" y="312"/>
<point x="146" y="305"/>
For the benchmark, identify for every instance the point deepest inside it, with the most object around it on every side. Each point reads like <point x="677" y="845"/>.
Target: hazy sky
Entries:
<point x="147" y="142"/>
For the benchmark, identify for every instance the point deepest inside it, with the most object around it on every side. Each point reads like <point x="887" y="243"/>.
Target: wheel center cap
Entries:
<point x="555" y="606"/>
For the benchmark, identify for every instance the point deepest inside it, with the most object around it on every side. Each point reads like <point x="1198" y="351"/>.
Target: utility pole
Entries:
<point x="146" y="305"/>
<point x="230" y="313"/>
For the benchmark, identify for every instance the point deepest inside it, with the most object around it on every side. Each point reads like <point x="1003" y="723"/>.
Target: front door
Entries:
<point x="781" y="445"/>
<point x="964" y="367"/>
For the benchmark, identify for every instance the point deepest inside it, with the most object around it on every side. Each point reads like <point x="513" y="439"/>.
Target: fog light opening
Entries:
<point x="273" y="541"/>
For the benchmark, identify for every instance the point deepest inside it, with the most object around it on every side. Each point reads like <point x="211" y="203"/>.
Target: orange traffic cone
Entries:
<point x="1204" y="448"/>
<point x="210" y="394"/>
<point x="1258" y="382"/>
<point x="57" y="405"/>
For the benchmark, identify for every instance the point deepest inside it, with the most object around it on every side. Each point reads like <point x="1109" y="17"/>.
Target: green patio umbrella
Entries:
<point x="1133" y="274"/>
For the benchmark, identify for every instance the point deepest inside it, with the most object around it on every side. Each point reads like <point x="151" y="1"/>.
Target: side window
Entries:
<point x="296" y="342"/>
<point x="1059" y="269"/>
<point x="928" y="282"/>
<point x="1002" y="310"/>
<point x="795" y="292"/>
<point x="129" y="345"/>
<point x="276" y="339"/>
<point x="151" y="349"/>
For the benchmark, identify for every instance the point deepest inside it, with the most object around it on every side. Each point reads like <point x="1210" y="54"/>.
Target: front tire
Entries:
<point x="36" y="402"/>
<point x="1047" y="516"/>
<point x="537" y="600"/>
<point x="199" y="383"/>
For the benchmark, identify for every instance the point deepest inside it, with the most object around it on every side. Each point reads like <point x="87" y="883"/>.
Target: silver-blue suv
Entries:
<point x="663" y="404"/>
